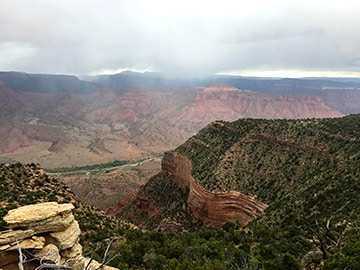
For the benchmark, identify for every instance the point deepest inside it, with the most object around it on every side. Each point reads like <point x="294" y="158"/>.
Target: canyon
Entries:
<point x="214" y="208"/>
<point x="275" y="171"/>
<point x="61" y="121"/>
<point x="173" y="195"/>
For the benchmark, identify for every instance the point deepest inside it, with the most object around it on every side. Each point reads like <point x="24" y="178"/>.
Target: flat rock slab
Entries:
<point x="42" y="217"/>
<point x="36" y="212"/>
<point x="7" y="237"/>
<point x="35" y="242"/>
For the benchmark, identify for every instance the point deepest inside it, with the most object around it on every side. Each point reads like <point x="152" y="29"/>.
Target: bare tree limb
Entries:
<point x="328" y="223"/>
<point x="21" y="257"/>
<point x="89" y="263"/>
<point x="105" y="254"/>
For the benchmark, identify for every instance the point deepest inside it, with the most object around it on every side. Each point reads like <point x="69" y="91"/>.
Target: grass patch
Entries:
<point x="95" y="169"/>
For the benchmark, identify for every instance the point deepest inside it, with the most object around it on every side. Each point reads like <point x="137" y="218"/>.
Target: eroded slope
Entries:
<point x="305" y="170"/>
<point x="74" y="128"/>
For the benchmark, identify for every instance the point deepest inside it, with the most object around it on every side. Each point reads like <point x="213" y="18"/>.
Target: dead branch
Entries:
<point x="26" y="256"/>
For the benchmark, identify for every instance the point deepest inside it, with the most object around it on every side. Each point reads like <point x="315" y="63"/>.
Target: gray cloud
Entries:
<point x="183" y="38"/>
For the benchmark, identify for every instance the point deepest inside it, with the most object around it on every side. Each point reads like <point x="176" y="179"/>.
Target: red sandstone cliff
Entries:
<point x="63" y="129"/>
<point x="210" y="207"/>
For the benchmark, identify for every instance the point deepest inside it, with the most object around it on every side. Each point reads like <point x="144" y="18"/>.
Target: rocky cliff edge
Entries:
<point x="215" y="208"/>
<point x="43" y="234"/>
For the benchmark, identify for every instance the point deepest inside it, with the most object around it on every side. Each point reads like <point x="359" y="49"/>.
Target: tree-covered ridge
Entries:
<point x="261" y="246"/>
<point x="306" y="170"/>
<point x="160" y="199"/>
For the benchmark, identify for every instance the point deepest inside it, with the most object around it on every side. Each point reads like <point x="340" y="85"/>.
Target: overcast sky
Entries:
<point x="182" y="38"/>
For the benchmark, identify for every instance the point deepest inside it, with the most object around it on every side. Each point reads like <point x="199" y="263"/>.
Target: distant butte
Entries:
<point x="219" y="88"/>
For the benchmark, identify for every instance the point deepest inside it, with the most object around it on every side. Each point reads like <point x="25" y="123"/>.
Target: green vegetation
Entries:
<point x="231" y="247"/>
<point x="28" y="184"/>
<point x="95" y="169"/>
<point x="211" y="248"/>
<point x="306" y="170"/>
<point x="163" y="199"/>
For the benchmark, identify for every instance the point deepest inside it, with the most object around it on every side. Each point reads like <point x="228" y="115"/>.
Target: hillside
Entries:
<point x="62" y="121"/>
<point x="22" y="185"/>
<point x="341" y="94"/>
<point x="259" y="246"/>
<point x="306" y="170"/>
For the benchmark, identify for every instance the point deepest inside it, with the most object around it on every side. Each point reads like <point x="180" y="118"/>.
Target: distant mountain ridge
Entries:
<point x="334" y="87"/>
<point x="48" y="83"/>
<point x="62" y="121"/>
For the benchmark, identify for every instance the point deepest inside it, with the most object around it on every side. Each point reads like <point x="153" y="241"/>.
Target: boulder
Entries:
<point x="49" y="252"/>
<point x="72" y="253"/>
<point x="67" y="238"/>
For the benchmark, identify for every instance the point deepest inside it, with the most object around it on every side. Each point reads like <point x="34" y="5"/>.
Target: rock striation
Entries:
<point x="44" y="232"/>
<point x="137" y="122"/>
<point x="215" y="208"/>
<point x="44" y="217"/>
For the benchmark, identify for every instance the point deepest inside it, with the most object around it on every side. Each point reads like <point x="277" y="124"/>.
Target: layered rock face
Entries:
<point x="53" y="126"/>
<point x="45" y="233"/>
<point x="215" y="208"/>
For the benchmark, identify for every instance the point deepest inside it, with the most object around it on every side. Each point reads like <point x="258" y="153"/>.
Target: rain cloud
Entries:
<point x="180" y="38"/>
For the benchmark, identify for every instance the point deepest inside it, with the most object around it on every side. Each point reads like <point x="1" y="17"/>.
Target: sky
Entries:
<point x="284" y="38"/>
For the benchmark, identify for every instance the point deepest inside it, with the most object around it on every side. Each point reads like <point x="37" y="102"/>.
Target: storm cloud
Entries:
<point x="181" y="38"/>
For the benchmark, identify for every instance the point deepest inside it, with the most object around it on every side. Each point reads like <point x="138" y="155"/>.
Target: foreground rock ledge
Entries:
<point x="43" y="217"/>
<point x="47" y="231"/>
<point x="36" y="212"/>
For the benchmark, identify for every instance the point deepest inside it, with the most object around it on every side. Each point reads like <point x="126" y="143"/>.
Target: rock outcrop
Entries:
<point x="44" y="232"/>
<point x="215" y="208"/>
<point x="45" y="217"/>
